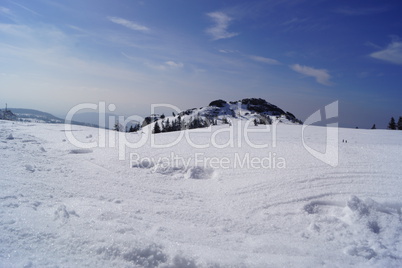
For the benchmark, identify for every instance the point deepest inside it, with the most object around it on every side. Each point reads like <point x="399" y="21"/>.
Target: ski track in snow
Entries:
<point x="62" y="206"/>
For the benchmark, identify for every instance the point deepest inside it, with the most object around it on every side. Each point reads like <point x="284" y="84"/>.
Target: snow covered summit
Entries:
<point x="243" y="109"/>
<point x="220" y="112"/>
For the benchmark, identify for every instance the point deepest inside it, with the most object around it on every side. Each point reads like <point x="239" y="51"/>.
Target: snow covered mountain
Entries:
<point x="229" y="204"/>
<point x="223" y="112"/>
<point x="243" y="109"/>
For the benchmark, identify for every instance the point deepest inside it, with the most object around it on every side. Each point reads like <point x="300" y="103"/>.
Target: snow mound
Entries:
<point x="30" y="168"/>
<point x="361" y="251"/>
<point x="169" y="169"/>
<point x="166" y="168"/>
<point x="200" y="173"/>
<point x="144" y="163"/>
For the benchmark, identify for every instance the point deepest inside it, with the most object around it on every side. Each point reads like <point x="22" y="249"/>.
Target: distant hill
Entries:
<point x="222" y="112"/>
<point x="249" y="108"/>
<point x="35" y="116"/>
<point x="216" y="113"/>
<point x="31" y="115"/>
<point x="92" y="118"/>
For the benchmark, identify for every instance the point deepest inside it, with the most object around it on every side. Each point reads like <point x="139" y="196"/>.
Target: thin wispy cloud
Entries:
<point x="76" y="28"/>
<point x="220" y="29"/>
<point x="4" y="10"/>
<point x="128" y="24"/>
<point x="391" y="54"/>
<point x="173" y="64"/>
<point x="129" y="57"/>
<point x="8" y="13"/>
<point x="27" y="36"/>
<point x="349" y="11"/>
<point x="26" y="9"/>
<point x="37" y="51"/>
<point x="264" y="60"/>
<point x="227" y="51"/>
<point x="372" y="45"/>
<point x="321" y="75"/>
<point x="167" y="65"/>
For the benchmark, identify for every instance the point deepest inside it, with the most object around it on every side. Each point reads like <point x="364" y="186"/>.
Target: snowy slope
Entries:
<point x="63" y="206"/>
<point x="220" y="112"/>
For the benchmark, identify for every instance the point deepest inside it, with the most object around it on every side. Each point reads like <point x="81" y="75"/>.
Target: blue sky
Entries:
<point x="298" y="54"/>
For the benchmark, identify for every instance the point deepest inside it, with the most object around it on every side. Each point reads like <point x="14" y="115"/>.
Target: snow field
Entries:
<point x="63" y="206"/>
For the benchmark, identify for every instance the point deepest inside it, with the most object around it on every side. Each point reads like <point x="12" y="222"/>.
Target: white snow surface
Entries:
<point x="66" y="206"/>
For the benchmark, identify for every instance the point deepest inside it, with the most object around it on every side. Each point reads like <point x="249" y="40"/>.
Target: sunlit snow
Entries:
<point x="227" y="205"/>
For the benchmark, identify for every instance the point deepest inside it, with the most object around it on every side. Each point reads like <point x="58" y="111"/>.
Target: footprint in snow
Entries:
<point x="366" y="228"/>
<point x="63" y="214"/>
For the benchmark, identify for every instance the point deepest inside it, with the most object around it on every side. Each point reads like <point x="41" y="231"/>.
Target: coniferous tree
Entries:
<point x="392" y="124"/>
<point x="162" y="126"/>
<point x="147" y="121"/>
<point x="134" y="128"/>
<point x="399" y="125"/>
<point x="117" y="126"/>
<point x="157" y="128"/>
<point x="174" y="125"/>
<point x="167" y="127"/>
<point x="198" y="122"/>
<point x="269" y="120"/>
